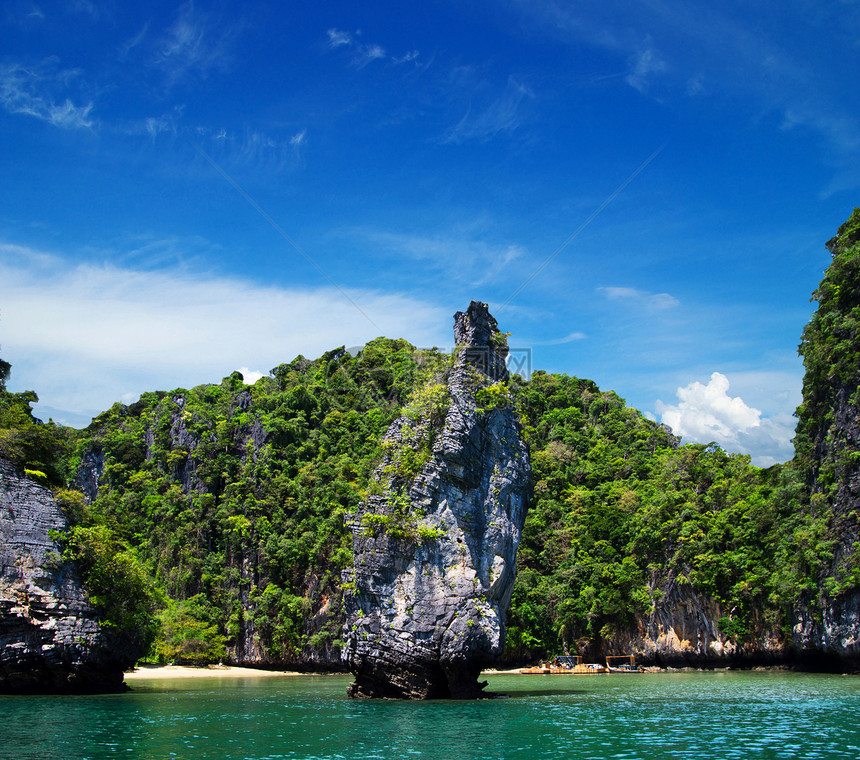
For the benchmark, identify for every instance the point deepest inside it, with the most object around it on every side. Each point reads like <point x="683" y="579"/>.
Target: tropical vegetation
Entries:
<point x="218" y="528"/>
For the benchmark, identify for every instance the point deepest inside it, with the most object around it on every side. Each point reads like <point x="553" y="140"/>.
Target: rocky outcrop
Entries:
<point x="51" y="639"/>
<point x="683" y="630"/>
<point x="830" y="640"/>
<point x="435" y="547"/>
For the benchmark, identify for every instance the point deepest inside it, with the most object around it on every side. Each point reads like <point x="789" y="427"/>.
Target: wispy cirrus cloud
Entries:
<point x="642" y="298"/>
<point x="194" y="45"/>
<point x="257" y="149"/>
<point x="126" y="47"/>
<point x="570" y="338"/>
<point x="464" y="254"/>
<point x="694" y="48"/>
<point x="412" y="55"/>
<point x="361" y="53"/>
<point x="368" y="53"/>
<point x="338" y="37"/>
<point x="645" y="64"/>
<point x="44" y="91"/>
<point x="501" y="115"/>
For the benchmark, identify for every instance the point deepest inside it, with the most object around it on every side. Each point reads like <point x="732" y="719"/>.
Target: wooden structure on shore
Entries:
<point x="566" y="665"/>
<point x="628" y="664"/>
<point x="572" y="665"/>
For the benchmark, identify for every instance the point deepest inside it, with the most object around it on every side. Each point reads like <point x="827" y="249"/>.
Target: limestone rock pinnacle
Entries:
<point x="435" y="542"/>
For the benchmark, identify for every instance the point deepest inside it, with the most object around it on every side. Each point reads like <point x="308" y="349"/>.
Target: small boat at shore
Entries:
<point x="572" y="665"/>
<point x="623" y="667"/>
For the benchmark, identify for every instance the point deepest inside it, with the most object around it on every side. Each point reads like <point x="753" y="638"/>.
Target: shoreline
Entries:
<point x="142" y="672"/>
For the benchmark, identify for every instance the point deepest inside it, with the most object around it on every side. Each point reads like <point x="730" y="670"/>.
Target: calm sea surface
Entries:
<point x="651" y="716"/>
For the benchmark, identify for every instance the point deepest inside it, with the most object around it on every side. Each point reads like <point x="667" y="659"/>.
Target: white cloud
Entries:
<point x="645" y="64"/>
<point x="706" y="413"/>
<point x="687" y="43"/>
<point x="337" y="37"/>
<point x="194" y="45"/>
<point x="156" y="125"/>
<point x="502" y="115"/>
<point x="368" y="53"/>
<point x="566" y="339"/>
<point x="407" y="57"/>
<point x="250" y="376"/>
<point x="129" y="45"/>
<point x="362" y="54"/>
<point x="85" y="335"/>
<point x="464" y="254"/>
<point x="252" y="148"/>
<point x="657" y="301"/>
<point x="40" y="91"/>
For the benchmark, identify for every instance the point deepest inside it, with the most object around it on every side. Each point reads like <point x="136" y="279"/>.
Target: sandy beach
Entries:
<point x="231" y="671"/>
<point x="208" y="671"/>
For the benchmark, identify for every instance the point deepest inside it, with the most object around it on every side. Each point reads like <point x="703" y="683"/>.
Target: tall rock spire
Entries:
<point x="435" y="547"/>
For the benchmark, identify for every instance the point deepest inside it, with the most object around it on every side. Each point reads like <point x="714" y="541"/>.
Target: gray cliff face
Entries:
<point x="833" y="635"/>
<point x="50" y="636"/>
<point x="830" y="640"/>
<point x="682" y="630"/>
<point x="435" y="551"/>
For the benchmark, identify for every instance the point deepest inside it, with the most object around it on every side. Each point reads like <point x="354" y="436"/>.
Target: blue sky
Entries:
<point x="640" y="190"/>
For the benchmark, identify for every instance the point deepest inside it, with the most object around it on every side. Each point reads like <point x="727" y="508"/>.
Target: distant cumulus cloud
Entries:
<point x="40" y="91"/>
<point x="250" y="376"/>
<point x="706" y="413"/>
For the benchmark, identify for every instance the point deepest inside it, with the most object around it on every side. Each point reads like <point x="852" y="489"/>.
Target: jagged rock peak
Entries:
<point x="479" y="341"/>
<point x="435" y="542"/>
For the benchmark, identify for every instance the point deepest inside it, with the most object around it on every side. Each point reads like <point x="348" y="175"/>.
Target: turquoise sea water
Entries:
<point x="647" y="717"/>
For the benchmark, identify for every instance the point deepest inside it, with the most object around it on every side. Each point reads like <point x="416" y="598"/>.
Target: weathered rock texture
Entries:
<point x="682" y="630"/>
<point x="435" y="554"/>
<point x="50" y="636"/>
<point x="827" y="630"/>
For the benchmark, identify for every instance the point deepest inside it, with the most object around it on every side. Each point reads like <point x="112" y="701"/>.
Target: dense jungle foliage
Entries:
<point x="220" y="511"/>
